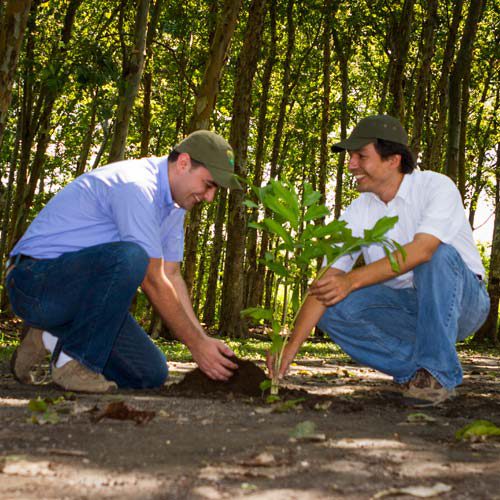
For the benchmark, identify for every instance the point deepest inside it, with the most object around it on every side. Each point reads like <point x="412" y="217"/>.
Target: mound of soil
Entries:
<point x="244" y="382"/>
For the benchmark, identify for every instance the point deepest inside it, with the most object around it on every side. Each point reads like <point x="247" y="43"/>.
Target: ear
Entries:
<point x="395" y="161"/>
<point x="183" y="163"/>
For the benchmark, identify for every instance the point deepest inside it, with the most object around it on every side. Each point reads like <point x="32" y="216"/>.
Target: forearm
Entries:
<point x="168" y="304"/>
<point x="182" y="292"/>
<point x="308" y="317"/>
<point x="417" y="253"/>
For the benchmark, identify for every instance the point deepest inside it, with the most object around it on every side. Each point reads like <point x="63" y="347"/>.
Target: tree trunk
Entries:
<point x="325" y="105"/>
<point x="424" y="74"/>
<point x="133" y="65"/>
<point x="45" y="105"/>
<point x="434" y="150"/>
<point x="489" y="330"/>
<point x="213" y="276"/>
<point x="455" y="92"/>
<point x="148" y="78"/>
<point x="255" y="282"/>
<point x="341" y="50"/>
<point x="87" y="141"/>
<point x="200" y="117"/>
<point x="15" y="18"/>
<point x="399" y="42"/>
<point x="232" y="286"/>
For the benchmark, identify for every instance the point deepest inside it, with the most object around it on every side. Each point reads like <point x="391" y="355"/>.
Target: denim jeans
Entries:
<point x="83" y="299"/>
<point x="401" y="331"/>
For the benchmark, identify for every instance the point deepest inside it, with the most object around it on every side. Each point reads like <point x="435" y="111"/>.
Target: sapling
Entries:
<point x="302" y="238"/>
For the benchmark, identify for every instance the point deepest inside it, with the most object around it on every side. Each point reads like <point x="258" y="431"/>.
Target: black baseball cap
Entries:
<point x="370" y="129"/>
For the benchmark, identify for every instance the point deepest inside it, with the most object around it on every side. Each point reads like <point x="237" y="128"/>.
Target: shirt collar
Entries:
<point x="164" y="184"/>
<point x="403" y="190"/>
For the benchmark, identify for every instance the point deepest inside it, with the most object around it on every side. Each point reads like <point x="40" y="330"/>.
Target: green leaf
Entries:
<point x="277" y="207"/>
<point x="279" y="230"/>
<point x="288" y="195"/>
<point x="255" y="225"/>
<point x="296" y="298"/>
<point x="479" y="429"/>
<point x="392" y="260"/>
<point x="257" y="313"/>
<point x="38" y="405"/>
<point x="303" y="429"/>
<point x="278" y="268"/>
<point x="380" y="228"/>
<point x="336" y="227"/>
<point x="250" y="204"/>
<point x="265" y="385"/>
<point x="310" y="196"/>
<point x="316" y="212"/>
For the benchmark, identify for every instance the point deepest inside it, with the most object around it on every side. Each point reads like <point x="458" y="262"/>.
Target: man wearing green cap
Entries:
<point x="74" y="273"/>
<point x="405" y="323"/>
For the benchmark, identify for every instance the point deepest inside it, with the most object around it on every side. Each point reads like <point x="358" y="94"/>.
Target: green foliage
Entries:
<point x="301" y="237"/>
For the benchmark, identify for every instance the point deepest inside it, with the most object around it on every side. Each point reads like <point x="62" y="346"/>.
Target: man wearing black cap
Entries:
<point x="406" y="323"/>
<point x="74" y="273"/>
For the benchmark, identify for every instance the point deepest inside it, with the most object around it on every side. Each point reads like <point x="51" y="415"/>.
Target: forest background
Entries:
<point x="85" y="83"/>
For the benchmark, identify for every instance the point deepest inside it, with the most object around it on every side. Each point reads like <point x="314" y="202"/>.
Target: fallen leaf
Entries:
<point x="292" y="404"/>
<point x="323" y="406"/>
<point x="18" y="466"/>
<point x="415" y="491"/>
<point x="121" y="411"/>
<point x="419" y="418"/>
<point x="478" y="430"/>
<point x="303" y="429"/>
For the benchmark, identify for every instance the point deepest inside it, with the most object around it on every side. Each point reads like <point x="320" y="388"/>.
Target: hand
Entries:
<point x="289" y="353"/>
<point x="211" y="356"/>
<point x="332" y="288"/>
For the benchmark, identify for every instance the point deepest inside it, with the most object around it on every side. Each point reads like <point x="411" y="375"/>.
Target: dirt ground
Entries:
<point x="359" y="441"/>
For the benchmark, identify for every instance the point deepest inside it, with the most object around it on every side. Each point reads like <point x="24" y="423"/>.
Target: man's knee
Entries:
<point x="445" y="257"/>
<point x="156" y="377"/>
<point x="132" y="259"/>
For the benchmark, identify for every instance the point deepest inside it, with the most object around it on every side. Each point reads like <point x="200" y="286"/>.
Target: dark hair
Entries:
<point x="173" y="155"/>
<point x="388" y="148"/>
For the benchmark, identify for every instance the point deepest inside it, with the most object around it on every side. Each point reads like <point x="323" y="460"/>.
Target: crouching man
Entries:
<point x="74" y="273"/>
<point x="404" y="324"/>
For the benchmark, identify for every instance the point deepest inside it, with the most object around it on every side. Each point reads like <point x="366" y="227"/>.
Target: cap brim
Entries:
<point x="352" y="144"/>
<point x="225" y="179"/>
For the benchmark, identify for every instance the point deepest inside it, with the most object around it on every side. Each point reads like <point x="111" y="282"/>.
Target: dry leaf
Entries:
<point x="415" y="491"/>
<point x="121" y="411"/>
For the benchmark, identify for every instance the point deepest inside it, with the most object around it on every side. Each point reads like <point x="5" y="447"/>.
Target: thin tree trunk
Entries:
<point x="399" y="41"/>
<point x="14" y="20"/>
<point x="424" y="75"/>
<point x="489" y="330"/>
<point x="325" y="105"/>
<point x="213" y="277"/>
<point x="87" y="140"/>
<point x="255" y="281"/>
<point x="434" y="151"/>
<point x="133" y="65"/>
<point x="341" y="50"/>
<point x="232" y="285"/>
<point x="455" y="92"/>
<point x="202" y="111"/>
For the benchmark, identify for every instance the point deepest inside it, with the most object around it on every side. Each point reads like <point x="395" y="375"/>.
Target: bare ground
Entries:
<point x="226" y="446"/>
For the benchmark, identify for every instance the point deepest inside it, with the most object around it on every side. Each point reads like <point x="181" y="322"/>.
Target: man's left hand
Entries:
<point x="333" y="287"/>
<point x="211" y="355"/>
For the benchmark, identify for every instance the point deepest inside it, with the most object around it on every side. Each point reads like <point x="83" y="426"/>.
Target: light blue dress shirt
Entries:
<point x="124" y="201"/>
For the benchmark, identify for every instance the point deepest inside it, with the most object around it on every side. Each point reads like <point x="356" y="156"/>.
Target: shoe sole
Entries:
<point x="13" y="359"/>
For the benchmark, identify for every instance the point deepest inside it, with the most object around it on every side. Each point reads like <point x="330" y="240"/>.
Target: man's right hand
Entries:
<point x="211" y="356"/>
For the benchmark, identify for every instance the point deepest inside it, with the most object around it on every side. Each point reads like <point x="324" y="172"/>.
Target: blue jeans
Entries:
<point x="401" y="331"/>
<point x="83" y="299"/>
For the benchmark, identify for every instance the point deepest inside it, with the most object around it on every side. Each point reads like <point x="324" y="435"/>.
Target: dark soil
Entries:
<point x="245" y="382"/>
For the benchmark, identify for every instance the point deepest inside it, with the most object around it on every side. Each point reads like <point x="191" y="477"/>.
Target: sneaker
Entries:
<point x="426" y="389"/>
<point x="29" y="354"/>
<point x="73" y="376"/>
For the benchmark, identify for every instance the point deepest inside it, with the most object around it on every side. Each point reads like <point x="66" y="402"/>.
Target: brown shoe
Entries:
<point x="29" y="354"/>
<point x="73" y="376"/>
<point x="424" y="388"/>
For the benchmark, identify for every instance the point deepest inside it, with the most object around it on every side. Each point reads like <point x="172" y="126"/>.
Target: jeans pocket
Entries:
<point x="25" y="304"/>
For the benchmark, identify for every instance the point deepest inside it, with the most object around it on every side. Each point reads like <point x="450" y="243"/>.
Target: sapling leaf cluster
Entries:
<point x="303" y="237"/>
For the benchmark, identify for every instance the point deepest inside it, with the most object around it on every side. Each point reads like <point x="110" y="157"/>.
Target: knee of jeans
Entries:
<point x="156" y="377"/>
<point x="444" y="257"/>
<point x="135" y="259"/>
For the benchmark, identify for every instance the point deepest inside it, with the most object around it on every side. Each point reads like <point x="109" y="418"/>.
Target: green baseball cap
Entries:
<point x="215" y="153"/>
<point x="370" y="129"/>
